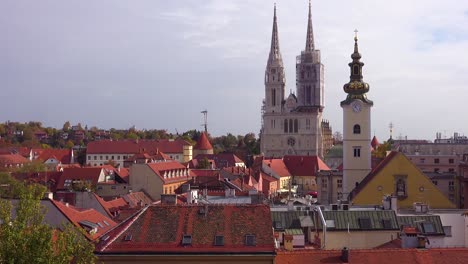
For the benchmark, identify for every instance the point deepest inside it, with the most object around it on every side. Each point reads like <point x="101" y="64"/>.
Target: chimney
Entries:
<point x="345" y="255"/>
<point x="394" y="203"/>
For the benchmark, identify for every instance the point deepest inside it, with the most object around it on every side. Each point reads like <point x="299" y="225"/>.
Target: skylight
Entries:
<point x="219" y="240"/>
<point x="187" y="240"/>
<point x="250" y="240"/>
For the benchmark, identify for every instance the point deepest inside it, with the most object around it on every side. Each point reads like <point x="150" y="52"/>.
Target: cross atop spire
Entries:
<point x="310" y="32"/>
<point x="274" y="50"/>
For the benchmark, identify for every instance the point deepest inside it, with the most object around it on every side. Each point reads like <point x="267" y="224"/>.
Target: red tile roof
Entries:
<point x="202" y="172"/>
<point x="111" y="206"/>
<point x="48" y="178"/>
<point x="135" y="146"/>
<point x="134" y="198"/>
<point x="169" y="166"/>
<point x="23" y="151"/>
<point x="76" y="216"/>
<point x="159" y="229"/>
<point x="278" y="166"/>
<point x="221" y="160"/>
<point x="203" y="143"/>
<point x="380" y="256"/>
<point x="12" y="159"/>
<point x="62" y="155"/>
<point x="84" y="174"/>
<point x="304" y="165"/>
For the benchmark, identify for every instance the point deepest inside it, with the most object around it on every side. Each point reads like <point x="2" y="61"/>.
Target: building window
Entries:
<point x="165" y="190"/>
<point x="107" y="157"/>
<point x="451" y="186"/>
<point x="273" y="96"/>
<point x="100" y="157"/>
<point x="400" y="187"/>
<point x="89" y="157"/>
<point x="436" y="160"/>
<point x="307" y="124"/>
<point x="357" y="152"/>
<point x="112" y="157"/>
<point x="451" y="161"/>
<point x="355" y="70"/>
<point x="357" y="129"/>
<point x="296" y="125"/>
<point x="291" y="126"/>
<point x="285" y="126"/>
<point x="339" y="183"/>
<point x="448" y="231"/>
<point x="422" y="160"/>
<point x="451" y="170"/>
<point x="95" y="157"/>
<point x="324" y="183"/>
<point x="436" y="169"/>
<point x="434" y="182"/>
<point x="118" y="157"/>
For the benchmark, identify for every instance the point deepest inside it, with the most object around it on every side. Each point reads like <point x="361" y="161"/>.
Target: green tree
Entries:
<point x="33" y="166"/>
<point x="69" y="144"/>
<point x="24" y="238"/>
<point x="204" y="164"/>
<point x="66" y="126"/>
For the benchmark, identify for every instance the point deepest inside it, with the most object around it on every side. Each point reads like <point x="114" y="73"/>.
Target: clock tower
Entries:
<point x="356" y="126"/>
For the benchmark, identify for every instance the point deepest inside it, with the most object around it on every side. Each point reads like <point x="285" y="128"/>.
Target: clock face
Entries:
<point x="356" y="106"/>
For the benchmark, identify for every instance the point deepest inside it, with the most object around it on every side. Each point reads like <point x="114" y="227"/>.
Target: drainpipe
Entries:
<point x="324" y="225"/>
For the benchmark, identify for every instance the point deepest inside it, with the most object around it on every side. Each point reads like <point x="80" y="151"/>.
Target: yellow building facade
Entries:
<point x="397" y="175"/>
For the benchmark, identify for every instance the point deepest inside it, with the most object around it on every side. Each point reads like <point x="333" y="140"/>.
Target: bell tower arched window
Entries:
<point x="285" y="126"/>
<point x="357" y="129"/>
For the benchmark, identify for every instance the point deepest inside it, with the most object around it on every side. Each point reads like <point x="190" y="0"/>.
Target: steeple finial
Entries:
<point x="274" y="50"/>
<point x="310" y="32"/>
<point x="356" y="56"/>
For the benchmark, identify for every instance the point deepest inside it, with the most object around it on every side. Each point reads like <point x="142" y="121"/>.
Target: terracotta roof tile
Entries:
<point x="160" y="228"/>
<point x="84" y="174"/>
<point x="381" y="256"/>
<point x="304" y="165"/>
<point x="203" y="143"/>
<point x="278" y="166"/>
<point x="135" y="146"/>
<point x="76" y="216"/>
<point x="62" y="155"/>
<point x="12" y="159"/>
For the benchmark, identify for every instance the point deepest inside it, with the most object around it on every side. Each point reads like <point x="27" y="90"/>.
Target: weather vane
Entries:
<point x="355" y="34"/>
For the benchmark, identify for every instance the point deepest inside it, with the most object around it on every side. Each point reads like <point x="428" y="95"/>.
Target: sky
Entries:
<point x="157" y="64"/>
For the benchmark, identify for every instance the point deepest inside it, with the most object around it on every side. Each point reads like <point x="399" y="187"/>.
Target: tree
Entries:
<point x="69" y="144"/>
<point x="25" y="239"/>
<point x="66" y="126"/>
<point x="33" y="166"/>
<point x="204" y="164"/>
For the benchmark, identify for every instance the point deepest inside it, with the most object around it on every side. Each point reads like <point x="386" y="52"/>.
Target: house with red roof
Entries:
<point x="53" y="158"/>
<point x="277" y="169"/>
<point x="94" y="224"/>
<point x="304" y="170"/>
<point x="101" y="152"/>
<point x="158" y="178"/>
<point x="192" y="234"/>
<point x="146" y="157"/>
<point x="11" y="161"/>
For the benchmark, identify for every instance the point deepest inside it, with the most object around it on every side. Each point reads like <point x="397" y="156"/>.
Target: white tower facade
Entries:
<point x="292" y="125"/>
<point x="356" y="126"/>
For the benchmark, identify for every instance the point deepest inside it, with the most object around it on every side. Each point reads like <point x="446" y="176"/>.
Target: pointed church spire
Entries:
<point x="275" y="53"/>
<point x="310" y="32"/>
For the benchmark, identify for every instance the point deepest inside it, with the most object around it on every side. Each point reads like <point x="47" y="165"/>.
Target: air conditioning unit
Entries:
<point x="334" y="207"/>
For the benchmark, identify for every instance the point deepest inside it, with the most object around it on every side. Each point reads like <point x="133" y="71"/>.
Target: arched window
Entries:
<point x="296" y="125"/>
<point x="273" y="97"/>
<point x="290" y="126"/>
<point x="285" y="126"/>
<point x="357" y="129"/>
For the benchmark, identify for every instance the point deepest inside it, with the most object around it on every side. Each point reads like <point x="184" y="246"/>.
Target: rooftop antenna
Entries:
<point x="391" y="129"/>
<point x="205" y="119"/>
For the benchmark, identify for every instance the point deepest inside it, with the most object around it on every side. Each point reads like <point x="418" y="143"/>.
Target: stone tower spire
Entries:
<point x="275" y="54"/>
<point x="310" y="33"/>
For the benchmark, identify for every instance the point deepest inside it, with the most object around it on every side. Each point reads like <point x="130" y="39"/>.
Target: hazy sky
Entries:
<point x="157" y="64"/>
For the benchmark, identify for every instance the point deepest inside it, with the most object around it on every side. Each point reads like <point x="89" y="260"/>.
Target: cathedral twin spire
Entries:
<point x="275" y="54"/>
<point x="310" y="33"/>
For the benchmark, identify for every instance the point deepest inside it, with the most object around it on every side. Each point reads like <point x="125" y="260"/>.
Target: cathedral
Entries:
<point x="294" y="125"/>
